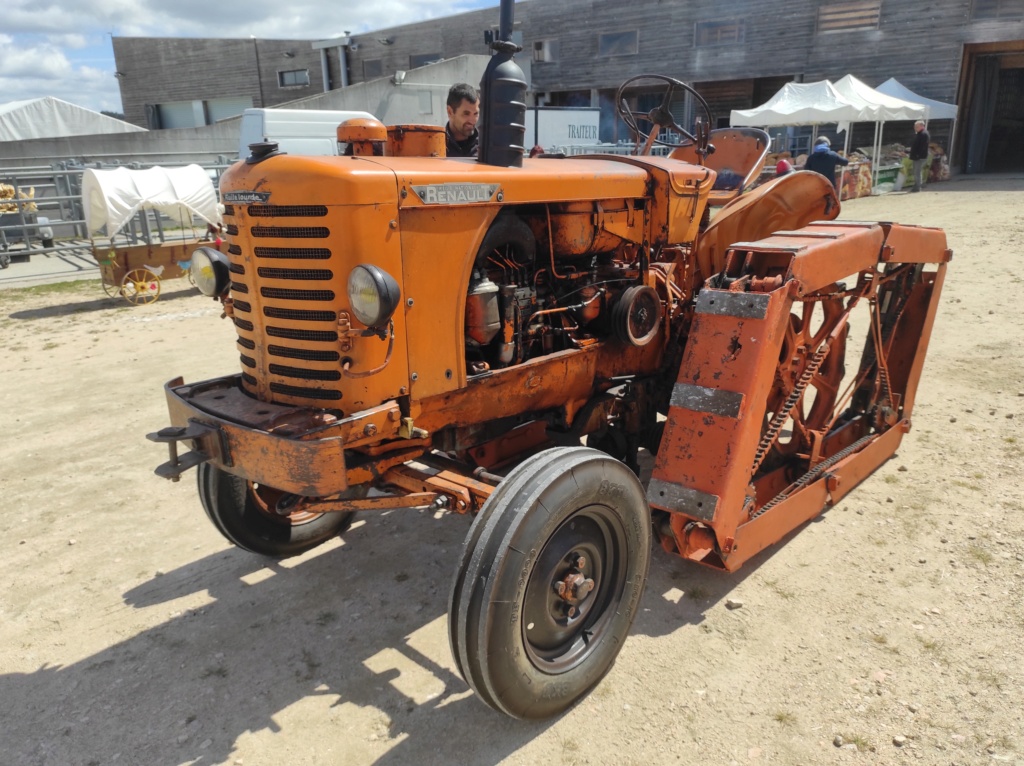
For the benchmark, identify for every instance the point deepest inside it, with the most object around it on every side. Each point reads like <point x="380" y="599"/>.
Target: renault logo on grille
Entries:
<point x="455" y="194"/>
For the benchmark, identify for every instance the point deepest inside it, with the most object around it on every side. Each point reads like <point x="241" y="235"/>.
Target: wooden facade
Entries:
<point x="737" y="53"/>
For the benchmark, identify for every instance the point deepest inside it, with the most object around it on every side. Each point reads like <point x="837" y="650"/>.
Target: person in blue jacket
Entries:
<point x="823" y="160"/>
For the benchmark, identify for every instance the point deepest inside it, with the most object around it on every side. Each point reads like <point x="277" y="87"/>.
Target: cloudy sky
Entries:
<point x="62" y="48"/>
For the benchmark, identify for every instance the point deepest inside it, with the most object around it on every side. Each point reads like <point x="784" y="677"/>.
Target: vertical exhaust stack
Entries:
<point x="503" y="100"/>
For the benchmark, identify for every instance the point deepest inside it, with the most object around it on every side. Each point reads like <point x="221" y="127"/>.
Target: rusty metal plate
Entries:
<point x="680" y="499"/>
<point x="740" y="305"/>
<point x="702" y="399"/>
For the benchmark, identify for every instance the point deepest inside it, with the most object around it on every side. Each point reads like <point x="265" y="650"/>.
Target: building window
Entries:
<point x="422" y="59"/>
<point x="719" y="32"/>
<point x="373" y="69"/>
<point x="996" y="9"/>
<point x="293" y="78"/>
<point x="618" y="43"/>
<point x="849" y="17"/>
<point x="545" y="50"/>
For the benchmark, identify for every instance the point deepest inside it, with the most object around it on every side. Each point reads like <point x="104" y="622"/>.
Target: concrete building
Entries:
<point x="970" y="52"/>
<point x="177" y="82"/>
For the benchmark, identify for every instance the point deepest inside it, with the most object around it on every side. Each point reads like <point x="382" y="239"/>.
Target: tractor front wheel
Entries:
<point x="549" y="581"/>
<point x="262" y="519"/>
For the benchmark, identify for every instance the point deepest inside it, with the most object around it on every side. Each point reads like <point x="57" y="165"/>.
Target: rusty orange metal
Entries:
<point x="755" y="307"/>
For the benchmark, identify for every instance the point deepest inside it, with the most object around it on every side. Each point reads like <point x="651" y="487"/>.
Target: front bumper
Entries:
<point x="295" y="449"/>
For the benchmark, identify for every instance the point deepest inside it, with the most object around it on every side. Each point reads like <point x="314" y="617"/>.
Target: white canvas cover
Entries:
<point x="50" y="117"/>
<point x="877" y="107"/>
<point x="112" y="197"/>
<point x="937" y="110"/>
<point x="801" y="103"/>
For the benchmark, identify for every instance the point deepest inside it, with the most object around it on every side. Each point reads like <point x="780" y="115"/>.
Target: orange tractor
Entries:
<point x="422" y="331"/>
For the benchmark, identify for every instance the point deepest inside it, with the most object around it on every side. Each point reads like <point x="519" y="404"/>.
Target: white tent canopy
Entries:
<point x="50" y="117"/>
<point x="824" y="102"/>
<point x="800" y="103"/>
<point x="878" y="107"/>
<point x="112" y="197"/>
<point x="937" y="110"/>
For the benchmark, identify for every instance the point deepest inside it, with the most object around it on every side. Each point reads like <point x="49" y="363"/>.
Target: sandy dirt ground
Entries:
<point x="888" y="631"/>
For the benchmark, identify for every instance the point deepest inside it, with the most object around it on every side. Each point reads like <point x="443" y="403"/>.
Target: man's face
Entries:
<point x="918" y="127"/>
<point x="463" y="119"/>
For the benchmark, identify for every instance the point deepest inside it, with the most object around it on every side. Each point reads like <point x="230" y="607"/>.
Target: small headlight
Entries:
<point x="211" y="271"/>
<point x="373" y="295"/>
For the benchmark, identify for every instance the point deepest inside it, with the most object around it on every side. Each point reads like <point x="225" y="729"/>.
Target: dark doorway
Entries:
<point x="991" y="99"/>
<point x="1006" y="141"/>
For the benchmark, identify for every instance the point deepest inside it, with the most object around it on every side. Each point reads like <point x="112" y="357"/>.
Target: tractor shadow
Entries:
<point x="360" y="621"/>
<point x="357" y="621"/>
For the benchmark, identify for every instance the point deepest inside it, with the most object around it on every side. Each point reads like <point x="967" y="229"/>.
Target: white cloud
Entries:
<point x="72" y="41"/>
<point x="33" y="71"/>
<point x="54" y="48"/>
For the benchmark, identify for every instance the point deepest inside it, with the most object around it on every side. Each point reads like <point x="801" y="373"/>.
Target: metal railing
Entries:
<point x="45" y="214"/>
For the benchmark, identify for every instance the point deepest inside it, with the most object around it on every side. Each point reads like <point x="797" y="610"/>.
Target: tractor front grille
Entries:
<point x="287" y="296"/>
<point x="305" y="253"/>
<point x="291" y="232"/>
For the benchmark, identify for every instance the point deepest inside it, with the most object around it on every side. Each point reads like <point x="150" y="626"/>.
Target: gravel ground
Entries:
<point x="887" y="631"/>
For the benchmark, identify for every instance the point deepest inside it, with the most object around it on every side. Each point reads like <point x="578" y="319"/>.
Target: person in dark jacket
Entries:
<point x="461" y="136"/>
<point x="823" y="160"/>
<point x="919" y="153"/>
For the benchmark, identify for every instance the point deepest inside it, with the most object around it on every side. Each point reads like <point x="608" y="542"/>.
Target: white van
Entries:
<point x="296" y="131"/>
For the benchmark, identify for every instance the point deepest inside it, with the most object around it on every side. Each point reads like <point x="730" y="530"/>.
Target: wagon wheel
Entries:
<point x="140" y="286"/>
<point x="549" y="581"/>
<point x="810" y="324"/>
<point x="262" y="519"/>
<point x="111" y="289"/>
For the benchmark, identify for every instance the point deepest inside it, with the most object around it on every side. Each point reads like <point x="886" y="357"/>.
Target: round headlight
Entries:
<point x="210" y="271"/>
<point x="373" y="295"/>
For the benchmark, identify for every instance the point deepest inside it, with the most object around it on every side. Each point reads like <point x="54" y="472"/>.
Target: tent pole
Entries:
<point x="846" y="153"/>
<point x="878" y="153"/>
<point x="952" y="143"/>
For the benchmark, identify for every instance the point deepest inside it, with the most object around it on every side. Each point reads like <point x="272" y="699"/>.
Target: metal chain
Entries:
<point x="813" y="474"/>
<point x="772" y="432"/>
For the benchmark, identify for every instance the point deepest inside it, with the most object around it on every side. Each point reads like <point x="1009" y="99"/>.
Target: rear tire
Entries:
<point x="245" y="513"/>
<point x="571" y="517"/>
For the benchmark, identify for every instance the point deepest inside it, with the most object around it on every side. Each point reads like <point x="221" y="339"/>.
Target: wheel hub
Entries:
<point x="574" y="587"/>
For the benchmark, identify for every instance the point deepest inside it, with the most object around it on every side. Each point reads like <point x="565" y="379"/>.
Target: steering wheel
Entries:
<point x="661" y="116"/>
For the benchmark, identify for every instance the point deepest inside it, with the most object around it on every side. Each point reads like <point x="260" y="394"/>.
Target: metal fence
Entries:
<point x="44" y="213"/>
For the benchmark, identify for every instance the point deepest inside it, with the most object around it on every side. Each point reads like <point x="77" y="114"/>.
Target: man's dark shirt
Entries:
<point x="919" y="149"/>
<point x="825" y="164"/>
<point x="465" y="148"/>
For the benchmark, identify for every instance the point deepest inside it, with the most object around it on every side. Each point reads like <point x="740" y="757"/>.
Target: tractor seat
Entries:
<point x="738" y="159"/>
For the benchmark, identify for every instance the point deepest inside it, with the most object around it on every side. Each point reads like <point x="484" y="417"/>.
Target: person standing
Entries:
<point x="919" y="153"/>
<point x="823" y="160"/>
<point x="461" y="136"/>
